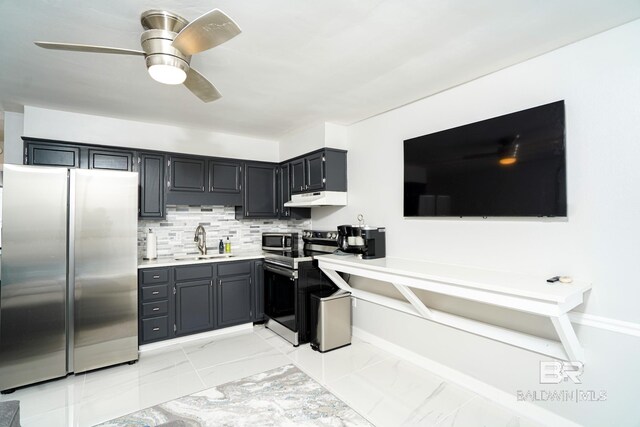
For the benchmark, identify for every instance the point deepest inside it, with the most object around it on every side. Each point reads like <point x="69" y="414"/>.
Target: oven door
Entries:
<point x="280" y="295"/>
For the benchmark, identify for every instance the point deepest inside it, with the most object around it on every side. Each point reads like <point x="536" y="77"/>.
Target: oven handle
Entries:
<point x="292" y="274"/>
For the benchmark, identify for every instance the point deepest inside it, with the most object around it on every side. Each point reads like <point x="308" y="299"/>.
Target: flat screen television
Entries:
<point x="507" y="166"/>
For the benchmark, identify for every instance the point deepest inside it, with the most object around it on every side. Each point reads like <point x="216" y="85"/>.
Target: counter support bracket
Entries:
<point x="569" y="347"/>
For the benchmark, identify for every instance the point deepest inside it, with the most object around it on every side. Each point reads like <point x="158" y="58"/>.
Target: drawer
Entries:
<point x="157" y="308"/>
<point x="194" y="272"/>
<point x="155" y="328"/>
<point x="150" y="277"/>
<point x="150" y="293"/>
<point x="234" y="268"/>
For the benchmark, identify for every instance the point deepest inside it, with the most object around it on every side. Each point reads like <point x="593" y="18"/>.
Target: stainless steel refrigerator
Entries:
<point x="68" y="290"/>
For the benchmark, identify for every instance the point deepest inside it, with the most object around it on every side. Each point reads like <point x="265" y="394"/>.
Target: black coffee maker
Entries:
<point x="364" y="240"/>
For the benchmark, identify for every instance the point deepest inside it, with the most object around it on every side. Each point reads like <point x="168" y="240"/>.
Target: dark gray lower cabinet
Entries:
<point x="234" y="300"/>
<point x="187" y="299"/>
<point x="194" y="306"/>
<point x="258" y="283"/>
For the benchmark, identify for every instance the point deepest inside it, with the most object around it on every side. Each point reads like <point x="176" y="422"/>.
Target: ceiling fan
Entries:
<point x="168" y="43"/>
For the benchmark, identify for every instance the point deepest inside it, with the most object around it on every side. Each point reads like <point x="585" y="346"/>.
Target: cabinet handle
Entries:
<point x="156" y="308"/>
<point x="210" y="283"/>
<point x="156" y="329"/>
<point x="156" y="277"/>
<point x="155" y="292"/>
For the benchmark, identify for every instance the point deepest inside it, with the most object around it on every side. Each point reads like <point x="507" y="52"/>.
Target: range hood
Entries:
<point x="319" y="198"/>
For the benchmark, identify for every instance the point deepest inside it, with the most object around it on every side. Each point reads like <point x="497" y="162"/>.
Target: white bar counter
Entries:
<point x="531" y="294"/>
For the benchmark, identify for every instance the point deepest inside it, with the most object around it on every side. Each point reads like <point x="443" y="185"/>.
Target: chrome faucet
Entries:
<point x="201" y="239"/>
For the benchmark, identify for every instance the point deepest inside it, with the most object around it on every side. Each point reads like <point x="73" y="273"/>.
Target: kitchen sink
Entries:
<point x="201" y="257"/>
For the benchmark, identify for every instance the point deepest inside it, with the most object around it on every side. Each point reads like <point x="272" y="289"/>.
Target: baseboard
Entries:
<point x="606" y="323"/>
<point x="247" y="327"/>
<point x="507" y="400"/>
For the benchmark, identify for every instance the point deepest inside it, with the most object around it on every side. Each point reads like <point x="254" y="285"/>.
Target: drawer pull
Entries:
<point x="156" y="277"/>
<point x="156" y="329"/>
<point x="156" y="308"/>
<point x="155" y="292"/>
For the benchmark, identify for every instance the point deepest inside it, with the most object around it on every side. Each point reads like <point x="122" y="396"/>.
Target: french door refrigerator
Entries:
<point x="68" y="288"/>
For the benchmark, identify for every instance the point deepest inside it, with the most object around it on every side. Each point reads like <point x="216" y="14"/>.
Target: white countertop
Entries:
<point x="171" y="261"/>
<point x="529" y="286"/>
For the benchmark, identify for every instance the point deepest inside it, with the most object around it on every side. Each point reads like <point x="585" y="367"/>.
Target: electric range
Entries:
<point x="290" y="277"/>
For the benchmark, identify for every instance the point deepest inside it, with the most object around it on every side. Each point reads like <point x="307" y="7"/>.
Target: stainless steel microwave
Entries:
<point x="280" y="241"/>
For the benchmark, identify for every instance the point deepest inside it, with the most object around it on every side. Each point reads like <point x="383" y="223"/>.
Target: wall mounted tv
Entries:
<point x="507" y="166"/>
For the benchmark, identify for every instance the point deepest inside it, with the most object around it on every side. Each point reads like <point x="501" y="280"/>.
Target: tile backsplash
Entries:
<point x="175" y="233"/>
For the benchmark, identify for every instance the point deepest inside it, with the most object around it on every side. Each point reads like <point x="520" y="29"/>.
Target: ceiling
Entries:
<point x="296" y="63"/>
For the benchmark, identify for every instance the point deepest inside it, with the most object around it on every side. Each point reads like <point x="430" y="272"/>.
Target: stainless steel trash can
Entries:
<point x="330" y="320"/>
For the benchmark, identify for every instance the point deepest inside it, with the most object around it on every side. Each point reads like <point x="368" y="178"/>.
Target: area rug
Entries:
<point x="283" y="396"/>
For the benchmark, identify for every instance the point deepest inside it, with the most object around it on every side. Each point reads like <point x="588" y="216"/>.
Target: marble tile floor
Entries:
<point x="386" y="390"/>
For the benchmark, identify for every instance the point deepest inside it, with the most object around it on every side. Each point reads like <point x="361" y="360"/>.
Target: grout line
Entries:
<point x="195" y="370"/>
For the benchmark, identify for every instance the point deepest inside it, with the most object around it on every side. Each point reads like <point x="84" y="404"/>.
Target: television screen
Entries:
<point x="512" y="165"/>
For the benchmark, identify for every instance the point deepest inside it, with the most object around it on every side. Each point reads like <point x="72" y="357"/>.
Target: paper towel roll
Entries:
<point x="152" y="250"/>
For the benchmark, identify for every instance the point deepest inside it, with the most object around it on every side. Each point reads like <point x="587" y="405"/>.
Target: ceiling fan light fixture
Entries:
<point x="167" y="74"/>
<point x="167" y="69"/>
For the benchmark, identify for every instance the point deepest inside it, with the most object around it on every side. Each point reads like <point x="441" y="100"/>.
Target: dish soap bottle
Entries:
<point x="221" y="247"/>
<point x="227" y="246"/>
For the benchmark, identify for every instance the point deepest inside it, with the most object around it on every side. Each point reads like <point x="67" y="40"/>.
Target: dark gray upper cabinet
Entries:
<point x="151" y="185"/>
<point x="225" y="182"/>
<point x="51" y="154"/>
<point x="260" y="191"/>
<point x="204" y="181"/>
<point x="187" y="174"/>
<point x="297" y="175"/>
<point x="194" y="306"/>
<point x="284" y="190"/>
<point x="320" y="170"/>
<point x="314" y="171"/>
<point x="284" y="195"/>
<point x="111" y="159"/>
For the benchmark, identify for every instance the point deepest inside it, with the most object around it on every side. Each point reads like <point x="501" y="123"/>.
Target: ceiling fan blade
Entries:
<point x="201" y="87"/>
<point x="88" y="48"/>
<point x="207" y="31"/>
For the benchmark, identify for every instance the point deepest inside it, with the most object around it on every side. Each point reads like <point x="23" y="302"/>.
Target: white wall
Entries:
<point x="312" y="138"/>
<point x="13" y="131"/>
<point x="599" y="79"/>
<point x="75" y="127"/>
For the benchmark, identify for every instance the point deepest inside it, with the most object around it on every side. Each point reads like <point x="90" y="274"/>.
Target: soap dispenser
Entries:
<point x="221" y="247"/>
<point x="227" y="246"/>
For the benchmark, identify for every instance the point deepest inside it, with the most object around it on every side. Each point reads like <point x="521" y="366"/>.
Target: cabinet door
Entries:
<point x="63" y="155"/>
<point x="297" y="176"/>
<point x="284" y="190"/>
<point x="187" y="174"/>
<point x="314" y="172"/>
<point x="151" y="186"/>
<point x="224" y="177"/>
<point x="234" y="304"/>
<point x="225" y="183"/>
<point x="194" y="306"/>
<point x="260" y="199"/>
<point x="258" y="286"/>
<point x="110" y="159"/>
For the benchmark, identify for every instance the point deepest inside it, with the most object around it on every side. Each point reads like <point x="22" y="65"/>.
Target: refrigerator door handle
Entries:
<point x="71" y="273"/>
